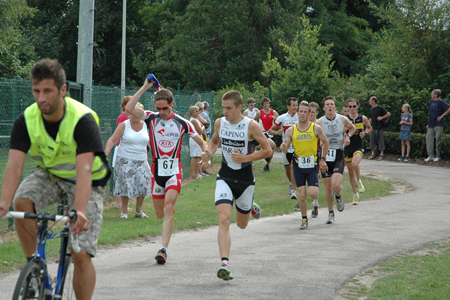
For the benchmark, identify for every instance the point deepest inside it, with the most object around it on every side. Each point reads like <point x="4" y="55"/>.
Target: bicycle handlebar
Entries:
<point x="56" y="218"/>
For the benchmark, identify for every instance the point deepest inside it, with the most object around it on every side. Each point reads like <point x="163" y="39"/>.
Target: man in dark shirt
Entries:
<point x="436" y="123"/>
<point x="64" y="139"/>
<point x="376" y="115"/>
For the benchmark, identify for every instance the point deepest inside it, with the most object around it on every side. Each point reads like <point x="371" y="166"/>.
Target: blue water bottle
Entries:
<point x="151" y="77"/>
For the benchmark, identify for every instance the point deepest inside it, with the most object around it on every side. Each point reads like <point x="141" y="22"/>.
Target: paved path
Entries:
<point x="272" y="259"/>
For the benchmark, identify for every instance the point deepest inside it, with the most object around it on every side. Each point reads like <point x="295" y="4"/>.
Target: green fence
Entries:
<point x="16" y="96"/>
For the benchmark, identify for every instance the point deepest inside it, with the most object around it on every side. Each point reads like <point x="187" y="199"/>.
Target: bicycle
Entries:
<point x="34" y="280"/>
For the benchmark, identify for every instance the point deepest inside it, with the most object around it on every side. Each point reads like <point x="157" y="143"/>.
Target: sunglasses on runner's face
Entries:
<point x="352" y="106"/>
<point x="162" y="108"/>
<point x="252" y="104"/>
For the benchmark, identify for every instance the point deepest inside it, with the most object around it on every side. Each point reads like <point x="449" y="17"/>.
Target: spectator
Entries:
<point x="207" y="131"/>
<point x="376" y="115"/>
<point x="132" y="175"/>
<point x="436" y="122"/>
<point x="121" y="118"/>
<point x="405" y="131"/>
<point x="202" y="120"/>
<point x="205" y="115"/>
<point x="195" y="149"/>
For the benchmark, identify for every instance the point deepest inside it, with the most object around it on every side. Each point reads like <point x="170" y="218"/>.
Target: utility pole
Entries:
<point x="124" y="42"/>
<point x="85" y="47"/>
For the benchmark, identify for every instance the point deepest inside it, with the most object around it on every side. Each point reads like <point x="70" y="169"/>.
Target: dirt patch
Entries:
<point x="399" y="186"/>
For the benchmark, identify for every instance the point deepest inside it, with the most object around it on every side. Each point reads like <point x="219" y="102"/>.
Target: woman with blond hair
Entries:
<point x="195" y="150"/>
<point x="132" y="174"/>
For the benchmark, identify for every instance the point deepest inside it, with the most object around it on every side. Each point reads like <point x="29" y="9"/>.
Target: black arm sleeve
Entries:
<point x="88" y="136"/>
<point x="20" y="140"/>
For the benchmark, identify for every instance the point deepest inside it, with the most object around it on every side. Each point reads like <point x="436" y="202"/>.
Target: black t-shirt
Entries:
<point x="87" y="135"/>
<point x="375" y="112"/>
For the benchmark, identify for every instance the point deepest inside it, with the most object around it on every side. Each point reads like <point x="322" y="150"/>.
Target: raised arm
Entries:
<point x="131" y="105"/>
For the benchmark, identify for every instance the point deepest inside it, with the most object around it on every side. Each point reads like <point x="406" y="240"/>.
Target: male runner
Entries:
<point x="304" y="136"/>
<point x="166" y="131"/>
<point x="334" y="126"/>
<point x="266" y="119"/>
<point x="286" y="121"/>
<point x="354" y="151"/>
<point x="237" y="136"/>
<point x="252" y="112"/>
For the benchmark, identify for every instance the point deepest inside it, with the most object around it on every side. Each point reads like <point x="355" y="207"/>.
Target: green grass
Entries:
<point x="195" y="209"/>
<point x="419" y="274"/>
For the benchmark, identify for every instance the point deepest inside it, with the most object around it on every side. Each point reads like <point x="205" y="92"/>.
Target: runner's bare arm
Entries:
<point x="213" y="143"/>
<point x="131" y="105"/>
<point x="254" y="132"/>
<point x="368" y="128"/>
<point x="285" y="144"/>
<point x="11" y="179"/>
<point x="114" y="138"/>
<point x="323" y="139"/>
<point x="273" y="130"/>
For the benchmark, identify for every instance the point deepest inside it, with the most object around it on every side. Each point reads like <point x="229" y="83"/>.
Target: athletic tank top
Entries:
<point x="235" y="137"/>
<point x="355" y="139"/>
<point x="133" y="144"/>
<point x="266" y="120"/>
<point x="251" y="114"/>
<point x="305" y="142"/>
<point x="334" y="131"/>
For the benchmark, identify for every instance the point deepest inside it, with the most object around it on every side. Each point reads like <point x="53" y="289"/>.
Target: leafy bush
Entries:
<point x="393" y="144"/>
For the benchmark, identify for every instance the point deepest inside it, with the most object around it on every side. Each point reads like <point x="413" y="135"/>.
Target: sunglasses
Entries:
<point x="252" y="104"/>
<point x="352" y="106"/>
<point x="162" y="108"/>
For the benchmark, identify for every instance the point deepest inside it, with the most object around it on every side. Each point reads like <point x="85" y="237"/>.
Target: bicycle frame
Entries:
<point x="39" y="256"/>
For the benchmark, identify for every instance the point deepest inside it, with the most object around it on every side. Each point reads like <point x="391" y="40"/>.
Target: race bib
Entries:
<point x="306" y="162"/>
<point x="331" y="155"/>
<point x="168" y="166"/>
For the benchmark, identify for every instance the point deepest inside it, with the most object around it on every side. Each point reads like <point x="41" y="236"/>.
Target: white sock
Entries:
<point x="226" y="262"/>
<point x="163" y="248"/>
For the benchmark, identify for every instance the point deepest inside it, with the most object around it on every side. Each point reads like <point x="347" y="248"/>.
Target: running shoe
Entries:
<point x="297" y="208"/>
<point x="360" y="186"/>
<point x="406" y="159"/>
<point x="355" y="199"/>
<point x="304" y="224"/>
<point x="428" y="159"/>
<point x="293" y="194"/>
<point x="256" y="211"/>
<point x="437" y="159"/>
<point x="266" y="168"/>
<point x="315" y="209"/>
<point x="161" y="257"/>
<point x="224" y="272"/>
<point x="401" y="158"/>
<point x="330" y="218"/>
<point x="340" y="203"/>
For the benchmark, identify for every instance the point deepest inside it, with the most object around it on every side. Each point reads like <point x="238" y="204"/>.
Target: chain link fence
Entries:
<point x="16" y="95"/>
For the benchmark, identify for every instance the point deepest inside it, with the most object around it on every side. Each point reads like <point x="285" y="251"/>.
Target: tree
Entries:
<point x="306" y="73"/>
<point x="17" y="54"/>
<point x="216" y="43"/>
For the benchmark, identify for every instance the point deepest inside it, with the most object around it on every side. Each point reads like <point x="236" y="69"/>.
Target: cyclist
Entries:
<point x="71" y="164"/>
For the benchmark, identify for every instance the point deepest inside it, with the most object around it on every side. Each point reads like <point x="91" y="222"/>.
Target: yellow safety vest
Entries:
<point x="59" y="156"/>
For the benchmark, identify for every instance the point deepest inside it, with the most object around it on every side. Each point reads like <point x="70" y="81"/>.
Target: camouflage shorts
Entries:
<point x="44" y="189"/>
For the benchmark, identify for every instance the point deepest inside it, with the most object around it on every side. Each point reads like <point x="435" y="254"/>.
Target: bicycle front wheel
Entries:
<point x="31" y="283"/>
<point x="67" y="279"/>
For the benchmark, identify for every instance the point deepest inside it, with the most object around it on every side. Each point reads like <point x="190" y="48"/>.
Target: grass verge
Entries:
<point x="195" y="209"/>
<point x="421" y="273"/>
